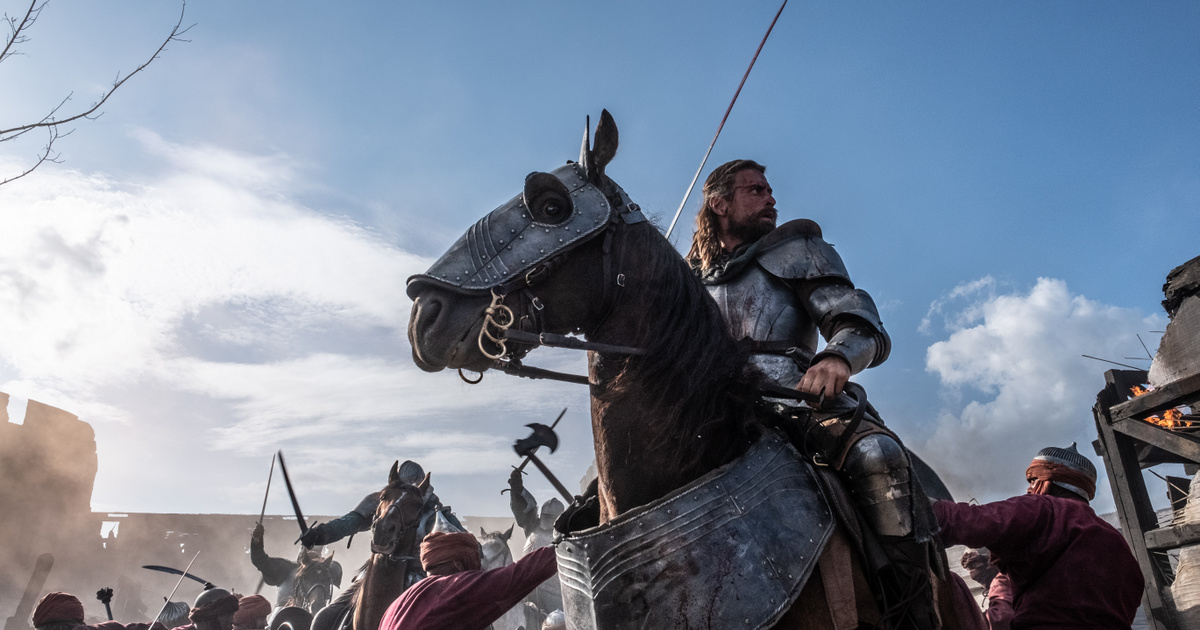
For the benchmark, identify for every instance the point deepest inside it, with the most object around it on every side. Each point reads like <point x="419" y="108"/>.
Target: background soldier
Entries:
<point x="539" y="532"/>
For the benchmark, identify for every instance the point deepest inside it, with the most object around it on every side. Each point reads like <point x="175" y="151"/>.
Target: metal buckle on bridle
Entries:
<point x="500" y="317"/>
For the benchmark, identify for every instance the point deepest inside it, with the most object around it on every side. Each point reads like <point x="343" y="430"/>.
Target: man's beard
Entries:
<point x="751" y="231"/>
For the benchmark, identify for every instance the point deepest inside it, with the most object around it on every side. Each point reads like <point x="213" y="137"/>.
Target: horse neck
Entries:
<point x="663" y="419"/>
<point x="384" y="580"/>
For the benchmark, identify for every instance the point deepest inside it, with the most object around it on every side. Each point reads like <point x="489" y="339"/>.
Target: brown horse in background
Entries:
<point x="661" y="418"/>
<point x="395" y="562"/>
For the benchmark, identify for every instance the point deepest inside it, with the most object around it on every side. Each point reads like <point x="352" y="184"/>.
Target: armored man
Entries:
<point x="777" y="288"/>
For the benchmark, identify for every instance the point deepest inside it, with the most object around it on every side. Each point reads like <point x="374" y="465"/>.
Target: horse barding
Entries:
<point x="704" y="515"/>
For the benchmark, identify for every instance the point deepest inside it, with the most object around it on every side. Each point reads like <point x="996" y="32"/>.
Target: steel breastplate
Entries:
<point x="730" y="550"/>
<point x="756" y="305"/>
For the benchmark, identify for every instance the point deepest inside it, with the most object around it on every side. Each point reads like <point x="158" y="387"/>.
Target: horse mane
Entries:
<point x="703" y="387"/>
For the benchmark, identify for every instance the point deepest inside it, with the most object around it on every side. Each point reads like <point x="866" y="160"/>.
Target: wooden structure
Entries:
<point x="1130" y="441"/>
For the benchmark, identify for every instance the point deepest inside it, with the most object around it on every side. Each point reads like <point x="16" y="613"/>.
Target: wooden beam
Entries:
<point x="1181" y="444"/>
<point x="1172" y="537"/>
<point x="1164" y="397"/>
<point x="1132" y="500"/>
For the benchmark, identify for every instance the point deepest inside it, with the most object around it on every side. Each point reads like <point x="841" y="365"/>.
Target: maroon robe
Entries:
<point x="469" y="600"/>
<point x="1067" y="567"/>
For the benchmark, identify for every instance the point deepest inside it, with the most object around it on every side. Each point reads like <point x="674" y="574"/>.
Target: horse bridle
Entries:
<point x="400" y="534"/>
<point x="499" y="320"/>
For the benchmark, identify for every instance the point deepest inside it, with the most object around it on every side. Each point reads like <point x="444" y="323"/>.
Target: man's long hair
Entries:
<point x="706" y="242"/>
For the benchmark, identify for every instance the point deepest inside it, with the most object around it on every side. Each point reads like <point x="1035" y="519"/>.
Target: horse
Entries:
<point x="395" y="562"/>
<point x="312" y="580"/>
<point x="673" y="399"/>
<point x="496" y="554"/>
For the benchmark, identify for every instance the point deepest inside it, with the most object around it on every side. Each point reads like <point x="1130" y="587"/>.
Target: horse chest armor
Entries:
<point x="730" y="550"/>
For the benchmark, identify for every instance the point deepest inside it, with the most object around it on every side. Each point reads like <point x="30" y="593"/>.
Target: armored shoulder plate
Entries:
<point x="796" y="251"/>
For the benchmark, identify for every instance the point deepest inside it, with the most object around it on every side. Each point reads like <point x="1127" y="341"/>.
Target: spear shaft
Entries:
<point x="723" y="119"/>
<point x="168" y="600"/>
<point x="266" y="494"/>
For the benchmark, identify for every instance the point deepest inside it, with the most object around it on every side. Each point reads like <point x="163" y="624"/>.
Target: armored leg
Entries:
<point x="878" y="474"/>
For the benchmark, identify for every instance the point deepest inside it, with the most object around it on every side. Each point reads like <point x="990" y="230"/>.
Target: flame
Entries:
<point x="1172" y="418"/>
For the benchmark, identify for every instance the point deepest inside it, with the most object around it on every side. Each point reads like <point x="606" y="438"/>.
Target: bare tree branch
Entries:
<point x="17" y="29"/>
<point x="50" y="122"/>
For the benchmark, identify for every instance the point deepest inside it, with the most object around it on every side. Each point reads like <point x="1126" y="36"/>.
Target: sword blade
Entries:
<point x="182" y="574"/>
<point x="266" y="494"/>
<point x="292" y="495"/>
<point x="552" y="425"/>
<point x="174" y="571"/>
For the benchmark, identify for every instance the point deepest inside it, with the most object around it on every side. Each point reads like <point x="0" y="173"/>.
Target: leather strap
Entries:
<point x="838" y="579"/>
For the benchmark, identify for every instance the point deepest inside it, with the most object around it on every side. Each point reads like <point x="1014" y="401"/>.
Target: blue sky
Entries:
<point x="216" y="270"/>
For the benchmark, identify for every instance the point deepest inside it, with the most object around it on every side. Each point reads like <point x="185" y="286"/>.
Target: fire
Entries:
<point x="1172" y="418"/>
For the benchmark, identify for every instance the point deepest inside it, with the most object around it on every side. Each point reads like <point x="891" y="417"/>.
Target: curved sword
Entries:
<point x="182" y="574"/>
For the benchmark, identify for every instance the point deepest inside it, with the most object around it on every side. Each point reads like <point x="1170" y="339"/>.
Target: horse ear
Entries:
<point x="481" y="531"/>
<point x="605" y="147"/>
<point x="585" y="151"/>
<point x="508" y="534"/>
<point x="424" y="485"/>
<point x="394" y="473"/>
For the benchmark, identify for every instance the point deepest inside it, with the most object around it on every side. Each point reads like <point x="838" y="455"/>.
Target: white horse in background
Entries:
<point x="496" y="554"/>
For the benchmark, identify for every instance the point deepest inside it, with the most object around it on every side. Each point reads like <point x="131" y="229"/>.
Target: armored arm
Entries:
<point x="849" y="322"/>
<point x="797" y="254"/>
<point x="524" y="506"/>
<point x="274" y="570"/>
<point x="357" y="520"/>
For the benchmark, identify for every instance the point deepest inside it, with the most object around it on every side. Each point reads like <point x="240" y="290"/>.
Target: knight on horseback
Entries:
<point x="359" y="519"/>
<point x="777" y="289"/>
<point x="305" y="583"/>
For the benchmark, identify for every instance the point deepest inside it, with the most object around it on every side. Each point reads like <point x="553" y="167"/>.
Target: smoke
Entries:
<point x="1015" y="380"/>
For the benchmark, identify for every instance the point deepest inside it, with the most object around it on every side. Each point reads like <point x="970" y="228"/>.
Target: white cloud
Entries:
<point x="1015" y="359"/>
<point x="208" y="309"/>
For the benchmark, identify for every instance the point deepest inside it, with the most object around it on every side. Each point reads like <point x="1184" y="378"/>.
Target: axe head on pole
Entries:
<point x="542" y="436"/>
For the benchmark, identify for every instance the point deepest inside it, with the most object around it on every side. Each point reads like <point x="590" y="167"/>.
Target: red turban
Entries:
<point x="440" y="547"/>
<point x="251" y="610"/>
<point x="1041" y="473"/>
<point x="226" y="605"/>
<point x="57" y="607"/>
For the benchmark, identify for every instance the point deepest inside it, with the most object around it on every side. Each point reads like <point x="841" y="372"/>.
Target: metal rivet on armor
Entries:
<point x="541" y="251"/>
<point x="520" y="236"/>
<point x="512" y="231"/>
<point x="560" y="240"/>
<point x="509" y="248"/>
<point x="612" y="537"/>
<point x="585" y="545"/>
<point x="457" y="278"/>
<point x="501" y="241"/>
<point x="547" y="230"/>
<point x="522" y="261"/>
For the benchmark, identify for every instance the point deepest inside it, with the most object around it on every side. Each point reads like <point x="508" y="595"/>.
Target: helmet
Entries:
<point x="209" y="596"/>
<point x="1071" y="458"/>
<point x="552" y="508"/>
<point x="411" y="472"/>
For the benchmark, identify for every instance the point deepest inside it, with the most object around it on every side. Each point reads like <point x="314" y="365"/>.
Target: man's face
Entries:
<point x="750" y="214"/>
